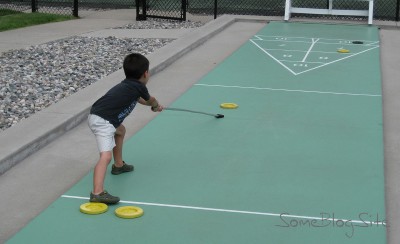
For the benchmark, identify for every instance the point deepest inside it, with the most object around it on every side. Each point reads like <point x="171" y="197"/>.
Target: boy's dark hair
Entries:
<point x="135" y="65"/>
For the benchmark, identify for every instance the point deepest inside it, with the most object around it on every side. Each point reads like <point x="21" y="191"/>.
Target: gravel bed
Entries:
<point x="165" y="24"/>
<point x="32" y="79"/>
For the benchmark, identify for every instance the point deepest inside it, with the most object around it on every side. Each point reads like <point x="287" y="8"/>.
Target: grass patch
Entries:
<point x="8" y="12"/>
<point x="19" y="20"/>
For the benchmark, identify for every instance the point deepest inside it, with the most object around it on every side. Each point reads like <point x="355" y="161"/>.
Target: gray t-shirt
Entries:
<point x="119" y="101"/>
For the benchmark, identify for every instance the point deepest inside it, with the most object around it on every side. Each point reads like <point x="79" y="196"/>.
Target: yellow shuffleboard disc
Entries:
<point x="229" y="105"/>
<point x="129" y="212"/>
<point x="341" y="50"/>
<point x="93" y="208"/>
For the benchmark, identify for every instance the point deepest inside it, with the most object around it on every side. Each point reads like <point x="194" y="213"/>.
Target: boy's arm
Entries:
<point x="155" y="106"/>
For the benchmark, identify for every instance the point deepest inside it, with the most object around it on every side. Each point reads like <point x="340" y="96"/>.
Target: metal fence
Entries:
<point x="383" y="9"/>
<point x="62" y="7"/>
<point x="178" y="9"/>
<point x="171" y="9"/>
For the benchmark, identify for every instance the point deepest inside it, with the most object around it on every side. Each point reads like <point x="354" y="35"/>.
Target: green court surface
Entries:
<point x="300" y="160"/>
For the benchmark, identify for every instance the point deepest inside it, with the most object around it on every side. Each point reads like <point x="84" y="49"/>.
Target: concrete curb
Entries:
<point x="37" y="131"/>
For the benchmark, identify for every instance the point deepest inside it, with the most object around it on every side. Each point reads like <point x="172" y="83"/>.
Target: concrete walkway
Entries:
<point x="42" y="171"/>
<point x="96" y="23"/>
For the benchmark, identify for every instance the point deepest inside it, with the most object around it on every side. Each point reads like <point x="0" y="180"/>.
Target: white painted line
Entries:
<point x="302" y="51"/>
<point x="370" y="44"/>
<point x="231" y="211"/>
<point x="288" y="90"/>
<point x="296" y="61"/>
<point x="375" y="43"/>
<point x="309" y="50"/>
<point x="258" y="38"/>
<point x="322" y="40"/>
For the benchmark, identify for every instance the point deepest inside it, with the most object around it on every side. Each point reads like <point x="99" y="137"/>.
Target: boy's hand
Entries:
<point x="159" y="108"/>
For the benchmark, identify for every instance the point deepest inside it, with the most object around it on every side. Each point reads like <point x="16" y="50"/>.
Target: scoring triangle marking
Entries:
<point x="300" y="54"/>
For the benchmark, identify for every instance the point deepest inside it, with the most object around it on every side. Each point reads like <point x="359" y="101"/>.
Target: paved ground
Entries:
<point x="36" y="181"/>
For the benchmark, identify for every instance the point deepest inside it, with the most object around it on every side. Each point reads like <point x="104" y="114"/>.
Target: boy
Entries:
<point x="106" y="117"/>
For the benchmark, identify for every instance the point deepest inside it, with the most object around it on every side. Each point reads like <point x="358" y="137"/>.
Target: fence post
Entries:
<point x="183" y="10"/>
<point x="397" y="10"/>
<point x="215" y="9"/>
<point x="75" y="10"/>
<point x="34" y="6"/>
<point x="140" y="16"/>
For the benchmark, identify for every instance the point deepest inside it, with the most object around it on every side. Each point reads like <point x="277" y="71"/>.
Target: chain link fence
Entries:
<point x="250" y="7"/>
<point x="383" y="9"/>
<point x="9" y="6"/>
<point x="178" y="9"/>
<point x="171" y="9"/>
<point x="62" y="7"/>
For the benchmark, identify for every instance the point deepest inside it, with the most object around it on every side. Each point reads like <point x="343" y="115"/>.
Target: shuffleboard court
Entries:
<point x="299" y="161"/>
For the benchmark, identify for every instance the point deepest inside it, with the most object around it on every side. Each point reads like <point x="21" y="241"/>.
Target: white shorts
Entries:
<point x="104" y="132"/>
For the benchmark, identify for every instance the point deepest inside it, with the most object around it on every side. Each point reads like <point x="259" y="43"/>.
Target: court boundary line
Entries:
<point x="302" y="51"/>
<point x="289" y="90"/>
<point x="286" y="215"/>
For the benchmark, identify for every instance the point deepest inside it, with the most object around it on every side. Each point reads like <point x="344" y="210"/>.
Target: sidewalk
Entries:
<point x="43" y="171"/>
<point x="89" y="22"/>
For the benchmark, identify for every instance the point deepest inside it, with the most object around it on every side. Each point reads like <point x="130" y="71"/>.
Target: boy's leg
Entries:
<point x="119" y="165"/>
<point x="119" y="140"/>
<point x="99" y="194"/>
<point x="100" y="172"/>
<point x="104" y="132"/>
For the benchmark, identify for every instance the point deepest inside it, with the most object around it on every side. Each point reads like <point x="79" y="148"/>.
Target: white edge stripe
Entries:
<point x="231" y="211"/>
<point x="288" y="90"/>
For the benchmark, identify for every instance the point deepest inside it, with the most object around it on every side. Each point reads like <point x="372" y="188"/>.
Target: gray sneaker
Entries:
<point x="104" y="197"/>
<point x="119" y="170"/>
